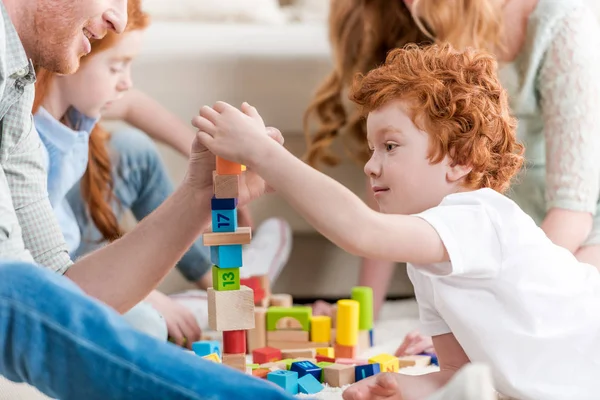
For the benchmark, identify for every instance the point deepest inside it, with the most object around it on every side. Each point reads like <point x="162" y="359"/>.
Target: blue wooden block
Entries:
<point x="223" y="204"/>
<point x="287" y="380"/>
<point x="206" y="347"/>
<point x="434" y="359"/>
<point x="371" y="338"/>
<point x="309" y="385"/>
<point x="224" y="220"/>
<point x="306" y="367"/>
<point x="229" y="256"/>
<point x="365" y="371"/>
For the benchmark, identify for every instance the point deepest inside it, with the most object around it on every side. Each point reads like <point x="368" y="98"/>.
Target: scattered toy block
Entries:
<point x="236" y="361"/>
<point x="226" y="167"/>
<point x="413" y="361"/>
<point x="294" y="345"/>
<point x="351" y="361"/>
<point x="326" y="351"/>
<point x="320" y="358"/>
<point x="434" y="359"/>
<point x="288" y="362"/>
<point x="266" y="355"/>
<point x="322" y="365"/>
<point x="224" y="220"/>
<point x="253" y="366"/>
<point x="364" y="296"/>
<point x="281" y="300"/>
<point x="214" y="357"/>
<point x="242" y="235"/>
<point x="364" y="371"/>
<point x="364" y="343"/>
<point x="301" y="313"/>
<point x="261" y="372"/>
<point x="312" y="360"/>
<point x="225" y="278"/>
<point x="387" y="362"/>
<point x="295" y="353"/>
<point x="234" y="342"/>
<point x="288" y="323"/>
<point x="306" y="367"/>
<point x="288" y="336"/>
<point x="255" y="284"/>
<point x="287" y="380"/>
<point x="231" y="310"/>
<point x="257" y="338"/>
<point x="226" y="186"/>
<point x="308" y="384"/>
<point x="228" y="256"/>
<point x="206" y="347"/>
<point x="347" y="323"/>
<point x="223" y="204"/>
<point x="337" y="375"/>
<point x="320" y="329"/>
<point x="342" y="351"/>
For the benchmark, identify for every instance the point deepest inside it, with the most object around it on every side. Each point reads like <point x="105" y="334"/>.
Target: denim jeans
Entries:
<point x="141" y="184"/>
<point x="73" y="347"/>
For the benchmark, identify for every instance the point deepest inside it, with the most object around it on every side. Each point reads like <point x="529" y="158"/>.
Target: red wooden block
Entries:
<point x="321" y="358"/>
<point x="225" y="167"/>
<point x="345" y="351"/>
<point x="266" y="355"/>
<point x="234" y="342"/>
<point x="254" y="283"/>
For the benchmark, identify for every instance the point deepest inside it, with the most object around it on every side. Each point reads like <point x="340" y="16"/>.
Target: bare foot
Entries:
<point x="415" y="343"/>
<point x="382" y="386"/>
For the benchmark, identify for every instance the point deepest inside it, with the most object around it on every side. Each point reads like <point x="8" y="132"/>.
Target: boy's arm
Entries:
<point x="343" y="217"/>
<point x="143" y="112"/>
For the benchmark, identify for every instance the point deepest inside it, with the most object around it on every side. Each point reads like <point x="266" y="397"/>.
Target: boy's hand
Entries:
<point x="234" y="135"/>
<point x="415" y="343"/>
<point x="181" y="323"/>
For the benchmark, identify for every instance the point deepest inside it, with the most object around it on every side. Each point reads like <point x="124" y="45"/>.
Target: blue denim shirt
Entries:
<point x="66" y="157"/>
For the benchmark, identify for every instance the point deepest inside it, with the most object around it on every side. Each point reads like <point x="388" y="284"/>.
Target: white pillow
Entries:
<point x="255" y="11"/>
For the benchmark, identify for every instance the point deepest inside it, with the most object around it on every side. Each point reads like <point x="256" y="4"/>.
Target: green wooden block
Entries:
<point x="253" y="366"/>
<point x="300" y="313"/>
<point x="364" y="296"/>
<point x="226" y="278"/>
<point x="322" y="365"/>
<point x="288" y="362"/>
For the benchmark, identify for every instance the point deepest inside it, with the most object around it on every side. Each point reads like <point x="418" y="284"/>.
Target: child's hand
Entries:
<point x="235" y="135"/>
<point x="181" y="323"/>
<point x="415" y="343"/>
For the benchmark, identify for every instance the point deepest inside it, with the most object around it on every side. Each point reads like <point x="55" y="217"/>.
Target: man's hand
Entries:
<point x="181" y="323"/>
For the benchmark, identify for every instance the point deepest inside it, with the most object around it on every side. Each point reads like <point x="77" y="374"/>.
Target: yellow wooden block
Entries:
<point x="213" y="357"/>
<point x="326" y="352"/>
<point x="347" y="322"/>
<point x="387" y="362"/>
<point x="243" y="235"/>
<point x="320" y="329"/>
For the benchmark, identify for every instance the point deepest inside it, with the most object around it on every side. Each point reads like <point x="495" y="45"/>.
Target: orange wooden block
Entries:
<point x="261" y="372"/>
<point x="345" y="351"/>
<point x="226" y="186"/>
<point x="243" y="235"/>
<point x="225" y="167"/>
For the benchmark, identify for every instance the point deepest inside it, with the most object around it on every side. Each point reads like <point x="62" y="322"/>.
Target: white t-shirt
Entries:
<point x="512" y="299"/>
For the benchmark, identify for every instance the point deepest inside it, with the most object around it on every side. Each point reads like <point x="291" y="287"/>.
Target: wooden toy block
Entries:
<point x="413" y="361"/>
<point x="351" y="361"/>
<point x="253" y="366"/>
<point x="229" y="256"/>
<point x="224" y="220"/>
<point x="337" y="375"/>
<point x="231" y="310"/>
<point x="347" y="322"/>
<point x="387" y="362"/>
<point x="261" y="372"/>
<point x="295" y="353"/>
<point x="364" y="296"/>
<point x="236" y="361"/>
<point x="234" y="342"/>
<point x="223" y="204"/>
<point x="294" y="345"/>
<point x="225" y="278"/>
<point x="226" y="167"/>
<point x="364" y="342"/>
<point x="205" y="347"/>
<point x="325" y="359"/>
<point x="342" y="351"/>
<point x="434" y="359"/>
<point x="265" y="283"/>
<point x="288" y="362"/>
<point x="308" y="384"/>
<point x="288" y="323"/>
<point x="302" y="314"/>
<point x="257" y="338"/>
<point x="242" y="235"/>
<point x="320" y="329"/>
<point x="322" y="365"/>
<point x="306" y="367"/>
<point x="288" y="336"/>
<point x="364" y="371"/>
<point x="282" y="300"/>
<point x="287" y="380"/>
<point x="214" y="357"/>
<point x="255" y="284"/>
<point x="226" y="186"/>
<point x="312" y="360"/>
<point x="266" y="355"/>
<point x="326" y="351"/>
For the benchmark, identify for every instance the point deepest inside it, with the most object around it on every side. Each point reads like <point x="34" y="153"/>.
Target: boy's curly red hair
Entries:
<point x="457" y="98"/>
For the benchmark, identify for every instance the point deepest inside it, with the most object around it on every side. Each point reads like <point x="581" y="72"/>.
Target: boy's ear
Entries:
<point x="456" y="172"/>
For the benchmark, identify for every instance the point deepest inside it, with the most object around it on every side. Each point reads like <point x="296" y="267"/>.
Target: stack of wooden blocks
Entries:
<point x="230" y="305"/>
